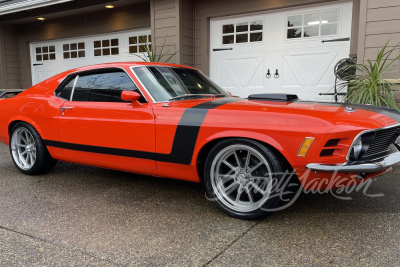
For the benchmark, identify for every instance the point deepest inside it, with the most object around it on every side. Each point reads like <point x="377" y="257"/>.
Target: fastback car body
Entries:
<point x="236" y="146"/>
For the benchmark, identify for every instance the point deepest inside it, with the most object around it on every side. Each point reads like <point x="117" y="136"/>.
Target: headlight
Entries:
<point x="357" y="147"/>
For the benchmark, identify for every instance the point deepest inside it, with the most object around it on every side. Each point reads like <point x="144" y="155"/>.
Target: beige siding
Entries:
<point x="207" y="9"/>
<point x="120" y="19"/>
<point x="187" y="32"/>
<point x="165" y="28"/>
<point x="379" y="23"/>
<point x="10" y="69"/>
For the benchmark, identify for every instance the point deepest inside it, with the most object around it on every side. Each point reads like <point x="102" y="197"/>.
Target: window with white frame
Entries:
<point x="106" y="47"/>
<point x="44" y="53"/>
<point x="74" y="50"/>
<point x="138" y="43"/>
<point x="312" y="25"/>
<point x="243" y="32"/>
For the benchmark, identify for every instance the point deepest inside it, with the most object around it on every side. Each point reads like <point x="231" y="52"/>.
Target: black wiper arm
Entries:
<point x="195" y="96"/>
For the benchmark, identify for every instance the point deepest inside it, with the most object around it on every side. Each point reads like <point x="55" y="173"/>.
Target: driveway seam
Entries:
<point x="231" y="244"/>
<point x="60" y="246"/>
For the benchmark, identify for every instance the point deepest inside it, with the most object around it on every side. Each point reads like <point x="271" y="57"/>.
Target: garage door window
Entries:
<point x="312" y="25"/>
<point x="73" y="50"/>
<point x="242" y="32"/>
<point x="138" y="43"/>
<point x="106" y="47"/>
<point x="45" y="53"/>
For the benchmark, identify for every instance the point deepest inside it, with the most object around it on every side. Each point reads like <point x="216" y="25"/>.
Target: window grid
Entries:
<point x="74" y="50"/>
<point x="106" y="47"/>
<point x="243" y="32"/>
<point x="138" y="43"/>
<point x="319" y="26"/>
<point x="44" y="53"/>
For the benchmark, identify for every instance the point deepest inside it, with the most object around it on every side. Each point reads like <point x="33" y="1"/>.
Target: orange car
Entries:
<point x="172" y="121"/>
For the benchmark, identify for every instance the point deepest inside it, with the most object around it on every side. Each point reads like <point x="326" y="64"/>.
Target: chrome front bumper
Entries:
<point x="369" y="167"/>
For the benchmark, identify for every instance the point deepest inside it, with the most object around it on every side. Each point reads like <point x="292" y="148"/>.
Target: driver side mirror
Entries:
<point x="131" y="96"/>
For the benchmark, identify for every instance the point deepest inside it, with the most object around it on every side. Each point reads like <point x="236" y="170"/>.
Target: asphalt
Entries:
<point x="85" y="216"/>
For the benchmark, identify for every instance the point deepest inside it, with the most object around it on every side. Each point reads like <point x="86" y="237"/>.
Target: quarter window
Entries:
<point x="106" y="47"/>
<point x="138" y="43"/>
<point x="243" y="32"/>
<point x="312" y="25"/>
<point x="103" y="87"/>
<point x="44" y="53"/>
<point x="74" y="50"/>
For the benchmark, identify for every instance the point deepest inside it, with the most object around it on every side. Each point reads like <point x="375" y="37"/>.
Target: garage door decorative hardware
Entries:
<point x="336" y="40"/>
<point x="38" y="64"/>
<point x="222" y="49"/>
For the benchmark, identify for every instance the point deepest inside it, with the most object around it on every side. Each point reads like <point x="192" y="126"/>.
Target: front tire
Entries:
<point x="239" y="176"/>
<point x="27" y="150"/>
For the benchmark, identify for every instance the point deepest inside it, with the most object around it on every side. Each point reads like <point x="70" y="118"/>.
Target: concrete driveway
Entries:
<point x="84" y="216"/>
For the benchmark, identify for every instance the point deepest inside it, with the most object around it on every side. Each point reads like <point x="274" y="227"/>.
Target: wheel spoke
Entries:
<point x="250" y="195"/>
<point x="256" y="167"/>
<point x="23" y="153"/>
<point x="227" y="190"/>
<point x="239" y="193"/>
<point x="24" y="140"/>
<point x="256" y="187"/>
<point x="237" y="159"/>
<point x="229" y="165"/>
<point x="247" y="160"/>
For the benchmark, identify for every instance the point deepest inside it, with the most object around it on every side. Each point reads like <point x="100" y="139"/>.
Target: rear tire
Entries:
<point x="240" y="176"/>
<point x="27" y="150"/>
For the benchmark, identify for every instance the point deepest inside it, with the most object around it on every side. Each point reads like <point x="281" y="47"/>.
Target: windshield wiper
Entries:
<point x="188" y="96"/>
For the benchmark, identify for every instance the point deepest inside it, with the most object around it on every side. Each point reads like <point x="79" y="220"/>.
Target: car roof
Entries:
<point x="125" y="65"/>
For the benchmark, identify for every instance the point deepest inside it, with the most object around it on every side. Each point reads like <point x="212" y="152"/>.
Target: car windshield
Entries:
<point x="172" y="84"/>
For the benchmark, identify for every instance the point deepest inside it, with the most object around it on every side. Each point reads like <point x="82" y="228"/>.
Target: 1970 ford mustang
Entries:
<point x="172" y="121"/>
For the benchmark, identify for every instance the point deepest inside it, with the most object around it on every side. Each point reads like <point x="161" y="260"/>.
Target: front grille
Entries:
<point x="383" y="139"/>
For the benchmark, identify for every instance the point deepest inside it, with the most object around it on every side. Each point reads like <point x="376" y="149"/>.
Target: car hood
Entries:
<point x="296" y="113"/>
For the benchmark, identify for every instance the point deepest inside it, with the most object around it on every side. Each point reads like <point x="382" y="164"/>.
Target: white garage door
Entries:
<point x="292" y="51"/>
<point x="52" y="57"/>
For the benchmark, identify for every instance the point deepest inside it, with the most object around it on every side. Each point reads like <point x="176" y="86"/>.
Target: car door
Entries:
<point x="95" y="124"/>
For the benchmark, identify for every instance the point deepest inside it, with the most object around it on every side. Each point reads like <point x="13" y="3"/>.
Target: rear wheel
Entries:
<point x="240" y="176"/>
<point x="28" y="152"/>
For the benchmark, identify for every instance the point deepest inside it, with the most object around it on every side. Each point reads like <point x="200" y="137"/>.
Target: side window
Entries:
<point x="65" y="91"/>
<point x="103" y="87"/>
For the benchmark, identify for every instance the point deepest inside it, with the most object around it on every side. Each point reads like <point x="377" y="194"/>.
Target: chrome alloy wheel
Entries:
<point x="23" y="148"/>
<point x="241" y="178"/>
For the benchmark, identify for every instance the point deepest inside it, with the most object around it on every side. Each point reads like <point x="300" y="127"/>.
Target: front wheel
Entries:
<point x="240" y="176"/>
<point x="28" y="152"/>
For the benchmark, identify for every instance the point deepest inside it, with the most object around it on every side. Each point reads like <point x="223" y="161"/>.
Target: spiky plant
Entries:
<point x="152" y="54"/>
<point x="368" y="86"/>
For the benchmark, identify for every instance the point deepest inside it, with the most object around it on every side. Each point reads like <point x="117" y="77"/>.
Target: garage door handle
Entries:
<point x="276" y="74"/>
<point x="38" y="64"/>
<point x="336" y="40"/>
<point x="222" y="49"/>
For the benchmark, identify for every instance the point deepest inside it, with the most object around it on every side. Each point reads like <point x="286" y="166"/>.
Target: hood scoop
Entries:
<point x="273" y="97"/>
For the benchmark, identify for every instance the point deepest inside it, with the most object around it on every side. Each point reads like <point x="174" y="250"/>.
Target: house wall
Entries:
<point x="119" y="19"/>
<point x="9" y="63"/>
<point x="207" y="9"/>
<point x="379" y="23"/>
<point x="173" y="29"/>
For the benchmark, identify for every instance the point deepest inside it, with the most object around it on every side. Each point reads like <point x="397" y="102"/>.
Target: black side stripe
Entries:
<point x="183" y="145"/>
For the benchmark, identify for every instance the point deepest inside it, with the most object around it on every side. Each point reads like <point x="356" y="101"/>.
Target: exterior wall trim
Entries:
<point x="28" y="4"/>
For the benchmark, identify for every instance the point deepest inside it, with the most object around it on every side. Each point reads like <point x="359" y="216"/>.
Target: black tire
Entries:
<point x="224" y="188"/>
<point x="26" y="141"/>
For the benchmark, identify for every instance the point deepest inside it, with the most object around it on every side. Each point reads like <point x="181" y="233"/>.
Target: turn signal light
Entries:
<point x="305" y="146"/>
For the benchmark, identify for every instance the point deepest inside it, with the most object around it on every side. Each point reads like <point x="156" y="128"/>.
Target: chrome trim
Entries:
<point x="367" y="131"/>
<point x="308" y="147"/>
<point x="73" y="87"/>
<point x="380" y="165"/>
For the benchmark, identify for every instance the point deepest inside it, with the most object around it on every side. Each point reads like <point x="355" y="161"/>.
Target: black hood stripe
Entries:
<point x="183" y="145"/>
<point x="389" y="112"/>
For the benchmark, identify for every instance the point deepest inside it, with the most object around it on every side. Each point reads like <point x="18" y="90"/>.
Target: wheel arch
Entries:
<point x="23" y="119"/>
<point x="264" y="140"/>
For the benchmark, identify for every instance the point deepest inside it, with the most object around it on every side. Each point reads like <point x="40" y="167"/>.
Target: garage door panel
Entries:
<point x="303" y="63"/>
<point x="51" y="57"/>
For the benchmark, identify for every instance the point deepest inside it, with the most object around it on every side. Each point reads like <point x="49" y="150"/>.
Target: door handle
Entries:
<point x="276" y="74"/>
<point x="64" y="108"/>
<point x="268" y="74"/>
